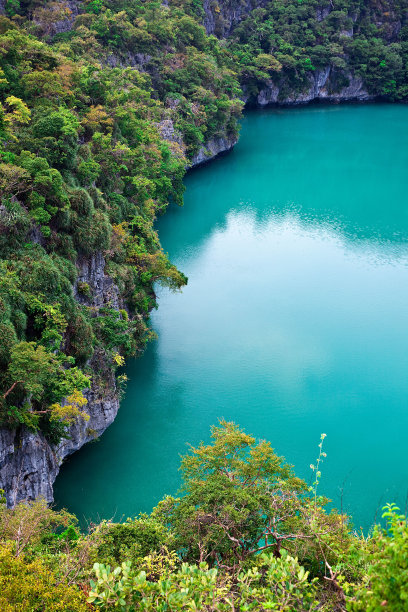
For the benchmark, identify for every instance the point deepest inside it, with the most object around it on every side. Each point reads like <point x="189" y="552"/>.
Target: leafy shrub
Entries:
<point x="281" y="585"/>
<point x="132" y="540"/>
<point x="385" y="585"/>
<point x="31" y="586"/>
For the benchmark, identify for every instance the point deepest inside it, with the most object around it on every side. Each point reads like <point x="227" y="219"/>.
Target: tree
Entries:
<point x="13" y="180"/>
<point x="31" y="367"/>
<point x="18" y="111"/>
<point x="239" y="498"/>
<point x="30" y="585"/>
<point x="42" y="376"/>
<point x="26" y="524"/>
<point x="14" y="113"/>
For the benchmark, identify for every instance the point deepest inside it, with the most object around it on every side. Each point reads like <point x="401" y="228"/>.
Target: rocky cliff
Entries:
<point x="220" y="18"/>
<point x="217" y="145"/>
<point x="29" y="464"/>
<point x="322" y="86"/>
<point x="212" y="148"/>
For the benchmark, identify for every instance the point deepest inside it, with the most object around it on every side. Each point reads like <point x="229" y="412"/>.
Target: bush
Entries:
<point x="132" y="540"/>
<point x="385" y="585"/>
<point x="30" y="586"/>
<point x="272" y="584"/>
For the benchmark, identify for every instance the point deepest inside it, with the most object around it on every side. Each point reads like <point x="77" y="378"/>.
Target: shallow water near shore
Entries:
<point x="294" y="321"/>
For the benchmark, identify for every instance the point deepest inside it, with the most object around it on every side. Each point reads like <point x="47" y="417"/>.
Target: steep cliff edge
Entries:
<point x="220" y="18"/>
<point x="295" y="53"/>
<point x="214" y="147"/>
<point x="321" y="87"/>
<point x="29" y="463"/>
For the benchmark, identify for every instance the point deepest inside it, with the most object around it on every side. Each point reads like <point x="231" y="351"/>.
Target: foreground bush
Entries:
<point x="273" y="584"/>
<point x="245" y="534"/>
<point x="32" y="587"/>
<point x="385" y="585"/>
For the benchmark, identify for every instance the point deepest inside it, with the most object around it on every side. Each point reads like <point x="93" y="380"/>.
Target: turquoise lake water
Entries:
<point x="294" y="321"/>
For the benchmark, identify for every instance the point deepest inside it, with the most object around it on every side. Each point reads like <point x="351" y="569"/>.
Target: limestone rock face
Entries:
<point x="65" y="25"/>
<point x="102" y="289"/>
<point x="221" y="17"/>
<point x="135" y="60"/>
<point x="29" y="464"/>
<point x="321" y="87"/>
<point x="212" y="148"/>
<point x="217" y="145"/>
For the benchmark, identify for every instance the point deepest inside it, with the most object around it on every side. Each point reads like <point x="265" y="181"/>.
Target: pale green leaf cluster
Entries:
<point x="271" y="584"/>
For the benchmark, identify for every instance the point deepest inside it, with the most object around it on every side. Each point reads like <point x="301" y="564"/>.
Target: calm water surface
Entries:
<point x="294" y="321"/>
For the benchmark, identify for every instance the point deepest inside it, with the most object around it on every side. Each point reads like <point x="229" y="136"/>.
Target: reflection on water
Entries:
<point x="294" y="321"/>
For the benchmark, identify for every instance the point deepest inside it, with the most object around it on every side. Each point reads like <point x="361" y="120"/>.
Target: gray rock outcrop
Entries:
<point x="217" y="145"/>
<point x="66" y="25"/>
<point x="220" y="18"/>
<point x="29" y="464"/>
<point x="321" y="87"/>
<point x="212" y="148"/>
<point x="102" y="289"/>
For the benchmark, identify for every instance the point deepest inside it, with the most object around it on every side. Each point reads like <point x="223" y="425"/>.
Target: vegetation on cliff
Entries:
<point x="287" y="42"/>
<point x="245" y="534"/>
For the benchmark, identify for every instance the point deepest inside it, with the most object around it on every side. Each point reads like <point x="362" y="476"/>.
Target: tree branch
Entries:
<point x="11" y="388"/>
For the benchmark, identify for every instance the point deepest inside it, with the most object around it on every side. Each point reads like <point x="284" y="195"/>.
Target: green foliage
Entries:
<point x="277" y="584"/>
<point x="46" y="562"/>
<point x="385" y="585"/>
<point x="237" y="499"/>
<point x="56" y="137"/>
<point x="31" y="367"/>
<point x="25" y="525"/>
<point x="42" y="376"/>
<point x="132" y="540"/>
<point x="32" y="586"/>
<point x="273" y="584"/>
<point x="66" y="177"/>
<point x="92" y="149"/>
<point x="288" y="40"/>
